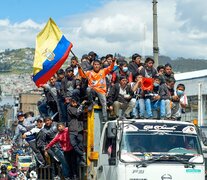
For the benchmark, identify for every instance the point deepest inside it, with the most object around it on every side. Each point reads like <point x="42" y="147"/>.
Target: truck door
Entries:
<point x="104" y="170"/>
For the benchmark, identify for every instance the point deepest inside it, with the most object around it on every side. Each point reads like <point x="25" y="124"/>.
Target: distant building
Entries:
<point x="28" y="102"/>
<point x="194" y="81"/>
<point x="8" y="115"/>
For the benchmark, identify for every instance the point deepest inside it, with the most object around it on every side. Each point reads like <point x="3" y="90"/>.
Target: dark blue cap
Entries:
<point x="20" y="113"/>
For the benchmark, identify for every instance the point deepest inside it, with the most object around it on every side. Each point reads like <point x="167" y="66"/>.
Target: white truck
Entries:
<point x="4" y="149"/>
<point x="145" y="150"/>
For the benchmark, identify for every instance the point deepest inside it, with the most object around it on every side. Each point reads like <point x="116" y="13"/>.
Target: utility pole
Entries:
<point x="144" y="42"/>
<point x="200" y="105"/>
<point x="155" y="34"/>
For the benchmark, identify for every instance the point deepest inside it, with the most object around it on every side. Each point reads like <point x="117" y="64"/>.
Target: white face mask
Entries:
<point x="125" y="69"/>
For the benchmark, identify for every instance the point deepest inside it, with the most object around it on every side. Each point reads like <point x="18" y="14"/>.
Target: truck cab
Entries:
<point x="149" y="150"/>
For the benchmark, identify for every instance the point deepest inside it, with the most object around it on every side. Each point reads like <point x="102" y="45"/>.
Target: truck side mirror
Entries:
<point x="94" y="156"/>
<point x="111" y="130"/>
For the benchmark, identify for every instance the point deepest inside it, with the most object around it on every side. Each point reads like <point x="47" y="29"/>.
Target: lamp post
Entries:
<point x="155" y="34"/>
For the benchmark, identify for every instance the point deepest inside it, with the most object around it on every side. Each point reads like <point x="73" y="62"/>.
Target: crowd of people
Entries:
<point x="139" y="89"/>
<point x="133" y="90"/>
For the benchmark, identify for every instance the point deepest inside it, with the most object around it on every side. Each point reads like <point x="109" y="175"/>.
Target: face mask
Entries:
<point x="156" y="84"/>
<point x="180" y="93"/>
<point x="125" y="69"/>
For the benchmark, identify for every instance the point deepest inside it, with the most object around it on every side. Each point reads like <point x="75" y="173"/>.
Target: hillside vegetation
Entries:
<point x="21" y="60"/>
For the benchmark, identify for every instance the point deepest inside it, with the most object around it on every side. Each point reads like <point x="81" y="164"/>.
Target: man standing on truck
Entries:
<point x="30" y="137"/>
<point x="44" y="137"/>
<point x="62" y="137"/>
<point x="75" y="112"/>
<point x="97" y="84"/>
<point x="21" y="128"/>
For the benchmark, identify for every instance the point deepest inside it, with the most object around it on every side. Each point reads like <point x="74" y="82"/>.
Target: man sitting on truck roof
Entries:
<point x="97" y="83"/>
<point x="154" y="100"/>
<point x="120" y="96"/>
<point x="177" y="102"/>
<point x="180" y="106"/>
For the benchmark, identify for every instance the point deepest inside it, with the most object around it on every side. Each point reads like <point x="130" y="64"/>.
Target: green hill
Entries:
<point x="21" y="60"/>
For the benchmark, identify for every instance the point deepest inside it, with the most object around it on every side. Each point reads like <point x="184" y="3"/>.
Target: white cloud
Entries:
<point x="18" y="35"/>
<point x="118" y="26"/>
<point x="4" y="22"/>
<point x="28" y="24"/>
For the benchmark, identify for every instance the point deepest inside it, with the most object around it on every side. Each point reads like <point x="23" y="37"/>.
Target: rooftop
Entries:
<point x="191" y="75"/>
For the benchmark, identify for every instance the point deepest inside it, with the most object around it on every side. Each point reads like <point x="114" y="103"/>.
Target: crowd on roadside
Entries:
<point x="133" y="90"/>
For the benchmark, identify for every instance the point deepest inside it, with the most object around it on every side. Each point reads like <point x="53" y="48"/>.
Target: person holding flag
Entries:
<point x="97" y="84"/>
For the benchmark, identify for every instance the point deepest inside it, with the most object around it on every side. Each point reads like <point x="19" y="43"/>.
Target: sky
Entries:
<point x="109" y="26"/>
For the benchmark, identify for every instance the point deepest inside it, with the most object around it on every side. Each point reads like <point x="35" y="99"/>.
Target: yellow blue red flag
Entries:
<point x="51" y="51"/>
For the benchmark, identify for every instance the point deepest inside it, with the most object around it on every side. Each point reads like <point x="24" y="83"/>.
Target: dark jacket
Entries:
<point x="46" y="135"/>
<point x="133" y="67"/>
<point x="164" y="92"/>
<point x="68" y="84"/>
<point x="75" y="114"/>
<point x="75" y="127"/>
<point x="114" y="93"/>
<point x="151" y="94"/>
<point x="86" y="66"/>
<point x="50" y="101"/>
<point x="168" y="76"/>
<point x="148" y="72"/>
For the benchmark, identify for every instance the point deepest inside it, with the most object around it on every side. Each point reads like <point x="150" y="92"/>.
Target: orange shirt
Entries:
<point x="97" y="81"/>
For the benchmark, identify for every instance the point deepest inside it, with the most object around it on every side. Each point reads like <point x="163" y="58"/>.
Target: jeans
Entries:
<point x="139" y="108"/>
<point x="155" y="105"/>
<point x="62" y="111"/>
<point x="141" y="103"/>
<point x="38" y="155"/>
<point x="59" y="154"/>
<point x="135" y="111"/>
<point x="102" y="98"/>
<point x="159" y="105"/>
<point x="148" y="108"/>
<point x="45" y="110"/>
<point x="71" y="159"/>
<point x="76" y="141"/>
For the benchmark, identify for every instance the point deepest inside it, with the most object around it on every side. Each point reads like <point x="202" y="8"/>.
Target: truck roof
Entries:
<point x="153" y="121"/>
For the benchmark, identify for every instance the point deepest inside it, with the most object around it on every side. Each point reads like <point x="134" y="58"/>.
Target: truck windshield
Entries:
<point x="141" y="143"/>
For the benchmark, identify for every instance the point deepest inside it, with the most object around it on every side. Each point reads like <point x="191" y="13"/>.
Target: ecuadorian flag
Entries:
<point x="52" y="49"/>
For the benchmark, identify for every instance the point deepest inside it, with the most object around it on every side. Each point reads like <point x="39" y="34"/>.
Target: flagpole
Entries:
<point x="73" y="53"/>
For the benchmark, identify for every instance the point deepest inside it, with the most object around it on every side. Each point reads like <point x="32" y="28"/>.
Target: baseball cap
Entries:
<point x="20" y="113"/>
<point x="39" y="119"/>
